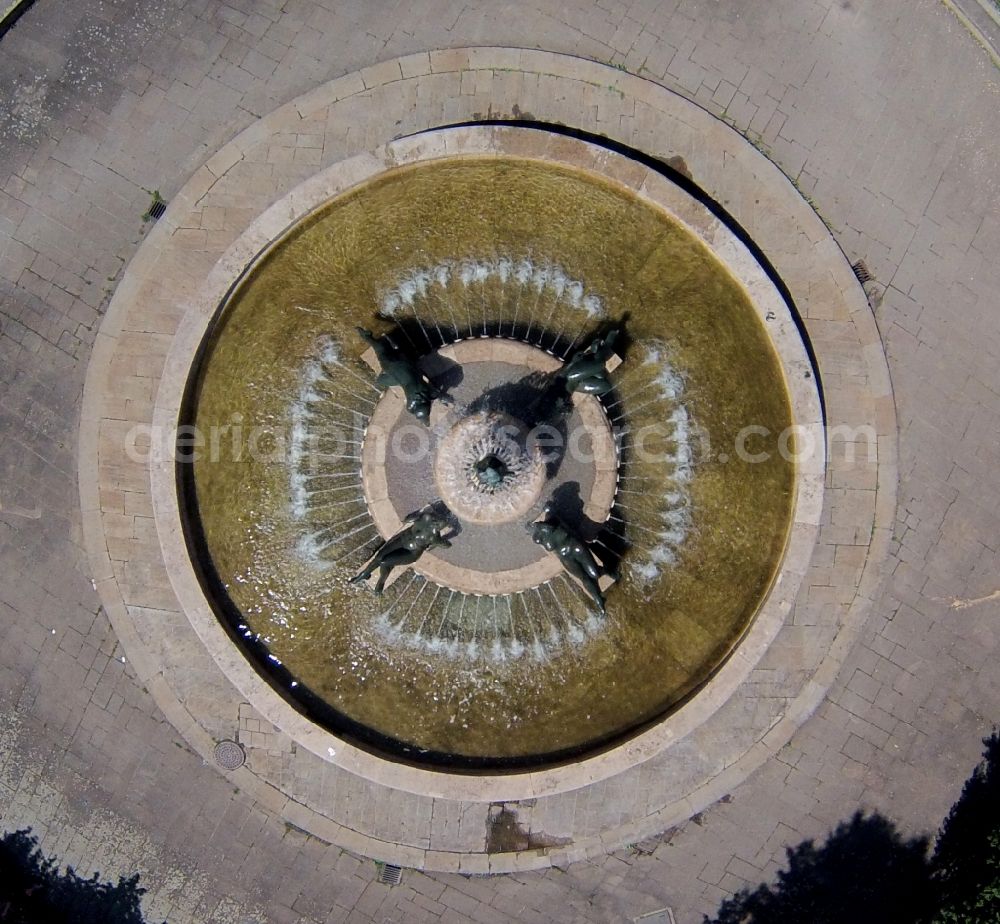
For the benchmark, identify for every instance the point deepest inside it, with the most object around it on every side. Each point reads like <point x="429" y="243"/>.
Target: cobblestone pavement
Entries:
<point x="884" y="112"/>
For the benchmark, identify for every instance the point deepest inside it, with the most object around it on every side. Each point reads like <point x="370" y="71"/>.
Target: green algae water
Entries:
<point x="504" y="248"/>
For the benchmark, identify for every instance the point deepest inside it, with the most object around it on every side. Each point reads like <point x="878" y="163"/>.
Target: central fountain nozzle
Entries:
<point x="491" y="471"/>
<point x="488" y="470"/>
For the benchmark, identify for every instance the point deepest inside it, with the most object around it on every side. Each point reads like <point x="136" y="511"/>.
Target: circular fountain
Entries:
<point x="539" y="344"/>
<point x="486" y="672"/>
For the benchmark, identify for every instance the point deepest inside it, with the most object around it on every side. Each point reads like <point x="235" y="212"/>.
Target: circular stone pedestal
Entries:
<point x="406" y="465"/>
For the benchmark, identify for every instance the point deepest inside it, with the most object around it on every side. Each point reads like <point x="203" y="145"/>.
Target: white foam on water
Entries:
<point x="472" y="641"/>
<point x="654" y="353"/>
<point x="311" y="374"/>
<point x="677" y="518"/>
<point x="671" y="384"/>
<point x="674" y="537"/>
<point x="645" y="571"/>
<point x="558" y="281"/>
<point x="310" y="549"/>
<point x="406" y="292"/>
<point x="295" y="454"/>
<point x="523" y="272"/>
<point x="391" y="304"/>
<point x="330" y="352"/>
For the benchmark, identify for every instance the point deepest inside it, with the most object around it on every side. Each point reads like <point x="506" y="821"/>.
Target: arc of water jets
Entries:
<point x="325" y="389"/>
<point x="412" y="292"/>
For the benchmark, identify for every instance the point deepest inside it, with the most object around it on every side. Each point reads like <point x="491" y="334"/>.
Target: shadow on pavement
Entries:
<point x="866" y="871"/>
<point x="33" y="890"/>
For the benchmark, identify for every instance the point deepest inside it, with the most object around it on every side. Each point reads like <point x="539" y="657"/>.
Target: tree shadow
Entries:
<point x="864" y="872"/>
<point x="516" y="398"/>
<point x="567" y="504"/>
<point x="967" y="853"/>
<point x="867" y="873"/>
<point x="33" y="890"/>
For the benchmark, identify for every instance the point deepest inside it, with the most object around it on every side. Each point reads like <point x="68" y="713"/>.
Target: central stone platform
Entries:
<point x="406" y="465"/>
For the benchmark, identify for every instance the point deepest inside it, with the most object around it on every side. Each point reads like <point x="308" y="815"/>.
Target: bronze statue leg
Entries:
<point x="591" y="585"/>
<point x="594" y="589"/>
<point x="363" y="576"/>
<point x="385" y="561"/>
<point x="383" y="573"/>
<point x="394" y="559"/>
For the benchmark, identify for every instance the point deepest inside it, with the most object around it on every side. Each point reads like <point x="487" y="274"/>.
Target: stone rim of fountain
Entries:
<point x="105" y="427"/>
<point x="269" y="231"/>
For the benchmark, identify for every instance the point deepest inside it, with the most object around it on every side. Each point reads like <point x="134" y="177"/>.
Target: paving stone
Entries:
<point x="892" y="139"/>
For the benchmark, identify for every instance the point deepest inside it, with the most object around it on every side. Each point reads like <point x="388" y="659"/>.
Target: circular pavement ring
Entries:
<point x="695" y="765"/>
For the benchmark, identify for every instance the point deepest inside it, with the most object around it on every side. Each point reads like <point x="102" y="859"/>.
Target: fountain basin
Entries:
<point x="513" y="677"/>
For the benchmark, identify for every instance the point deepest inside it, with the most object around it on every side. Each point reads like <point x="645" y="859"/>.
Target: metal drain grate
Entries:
<point x="156" y="208"/>
<point x="389" y="874"/>
<point x="662" y="916"/>
<point x="862" y="272"/>
<point x="229" y="755"/>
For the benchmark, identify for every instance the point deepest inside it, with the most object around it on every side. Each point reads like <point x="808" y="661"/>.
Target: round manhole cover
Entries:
<point x="229" y="755"/>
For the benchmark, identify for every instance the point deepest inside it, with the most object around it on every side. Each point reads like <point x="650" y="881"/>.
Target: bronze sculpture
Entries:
<point x="491" y="471"/>
<point x="399" y="370"/>
<point x="573" y="553"/>
<point x="586" y="370"/>
<point x="423" y="533"/>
